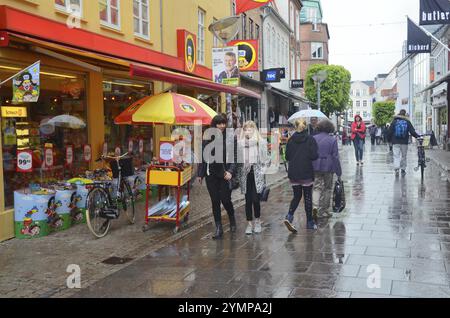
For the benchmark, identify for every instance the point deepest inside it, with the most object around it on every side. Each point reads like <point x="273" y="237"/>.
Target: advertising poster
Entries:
<point x="87" y="153"/>
<point x="69" y="155"/>
<point x="225" y="65"/>
<point x="247" y="55"/>
<point x="26" y="85"/>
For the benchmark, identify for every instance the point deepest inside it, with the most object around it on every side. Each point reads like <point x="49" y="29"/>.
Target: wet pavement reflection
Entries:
<point x="397" y="227"/>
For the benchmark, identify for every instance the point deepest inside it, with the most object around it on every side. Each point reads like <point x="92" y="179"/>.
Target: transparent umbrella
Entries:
<point x="66" y="121"/>
<point x="307" y="113"/>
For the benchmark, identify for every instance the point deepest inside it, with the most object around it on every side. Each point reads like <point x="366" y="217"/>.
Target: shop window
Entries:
<point x="141" y="18"/>
<point x="25" y="127"/>
<point x="118" y="94"/>
<point x="69" y="6"/>
<point x="110" y="13"/>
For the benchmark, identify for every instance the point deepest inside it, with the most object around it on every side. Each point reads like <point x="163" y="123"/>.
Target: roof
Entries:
<point x="369" y="83"/>
<point x="382" y="75"/>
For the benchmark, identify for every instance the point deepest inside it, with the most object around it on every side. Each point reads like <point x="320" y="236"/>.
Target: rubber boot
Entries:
<point x="232" y="223"/>
<point x="219" y="232"/>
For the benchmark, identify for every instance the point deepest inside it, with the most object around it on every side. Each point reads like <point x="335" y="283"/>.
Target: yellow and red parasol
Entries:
<point x="167" y="108"/>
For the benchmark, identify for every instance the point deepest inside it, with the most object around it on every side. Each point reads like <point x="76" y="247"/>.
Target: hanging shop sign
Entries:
<point x="187" y="49"/>
<point x="271" y="75"/>
<point x="247" y="54"/>
<point x="434" y="12"/>
<point x="26" y="84"/>
<point x="225" y="65"/>
<point x="24" y="161"/>
<point x="87" y="153"/>
<point x="69" y="155"/>
<point x="297" y="83"/>
<point x="141" y="146"/>
<point x="166" y="151"/>
<point x="48" y="156"/>
<point x="418" y="41"/>
<point x="18" y="112"/>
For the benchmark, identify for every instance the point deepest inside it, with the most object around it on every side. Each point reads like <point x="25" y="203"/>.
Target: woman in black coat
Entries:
<point x="218" y="174"/>
<point x="301" y="151"/>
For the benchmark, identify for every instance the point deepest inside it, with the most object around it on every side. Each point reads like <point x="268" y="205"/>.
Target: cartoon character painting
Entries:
<point x="28" y="228"/>
<point x="25" y="88"/>
<point x="53" y="219"/>
<point x="30" y="213"/>
<point x="75" y="213"/>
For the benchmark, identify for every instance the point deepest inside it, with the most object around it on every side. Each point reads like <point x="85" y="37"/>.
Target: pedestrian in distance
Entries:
<point x="325" y="167"/>
<point x="372" y="133"/>
<point x="251" y="172"/>
<point x="358" y="138"/>
<point x="399" y="132"/>
<point x="301" y="151"/>
<point x="218" y="174"/>
<point x="378" y="136"/>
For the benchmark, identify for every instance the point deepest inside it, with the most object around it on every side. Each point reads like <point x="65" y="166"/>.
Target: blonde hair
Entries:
<point x="300" y="124"/>
<point x="251" y="124"/>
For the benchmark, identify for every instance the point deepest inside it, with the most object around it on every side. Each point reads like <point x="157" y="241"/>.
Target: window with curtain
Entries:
<point x="110" y="13"/>
<point x="70" y="6"/>
<point x="141" y="18"/>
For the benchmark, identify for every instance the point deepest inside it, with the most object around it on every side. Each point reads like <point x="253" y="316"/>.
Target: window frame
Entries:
<point x="141" y="20"/>
<point x="201" y="36"/>
<point x="315" y="46"/>
<point x="108" y="14"/>
<point x="66" y="8"/>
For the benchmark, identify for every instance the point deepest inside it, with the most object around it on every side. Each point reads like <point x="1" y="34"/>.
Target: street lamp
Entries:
<point x="319" y="78"/>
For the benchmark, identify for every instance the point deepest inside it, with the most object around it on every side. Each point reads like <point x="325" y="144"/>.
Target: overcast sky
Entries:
<point x="354" y="44"/>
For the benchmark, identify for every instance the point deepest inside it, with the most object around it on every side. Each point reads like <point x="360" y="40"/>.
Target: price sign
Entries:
<point x="105" y="149"/>
<point x="117" y="151"/>
<point x="87" y="153"/>
<point x="48" y="155"/>
<point x="24" y="161"/>
<point x="69" y="155"/>
<point x="141" y="146"/>
<point x="130" y="146"/>
<point x="166" y="151"/>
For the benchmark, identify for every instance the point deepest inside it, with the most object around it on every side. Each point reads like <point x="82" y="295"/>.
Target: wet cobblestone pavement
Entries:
<point x="398" y="226"/>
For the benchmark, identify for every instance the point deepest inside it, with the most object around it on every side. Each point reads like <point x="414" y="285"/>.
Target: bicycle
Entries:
<point x="103" y="205"/>
<point x="421" y="157"/>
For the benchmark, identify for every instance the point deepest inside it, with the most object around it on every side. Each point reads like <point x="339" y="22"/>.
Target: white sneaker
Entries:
<point x="361" y="162"/>
<point x="249" y="229"/>
<point x="357" y="163"/>
<point x="258" y="228"/>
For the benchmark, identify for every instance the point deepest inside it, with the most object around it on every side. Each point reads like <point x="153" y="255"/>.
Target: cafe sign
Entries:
<point x="8" y="111"/>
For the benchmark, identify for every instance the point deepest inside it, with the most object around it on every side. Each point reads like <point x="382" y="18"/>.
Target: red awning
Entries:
<point x="160" y="74"/>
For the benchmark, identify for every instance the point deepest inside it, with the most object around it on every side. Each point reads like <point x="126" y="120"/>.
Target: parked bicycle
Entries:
<point x="422" y="160"/>
<point x="107" y="199"/>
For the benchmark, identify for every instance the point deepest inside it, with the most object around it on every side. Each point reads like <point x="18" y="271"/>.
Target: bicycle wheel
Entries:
<point x="127" y="201"/>
<point x="97" y="201"/>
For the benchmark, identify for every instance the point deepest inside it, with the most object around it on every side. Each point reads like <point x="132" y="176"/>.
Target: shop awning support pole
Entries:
<point x="10" y="78"/>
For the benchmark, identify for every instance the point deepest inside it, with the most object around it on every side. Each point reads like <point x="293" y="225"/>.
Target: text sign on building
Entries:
<point x="434" y="12"/>
<point x="271" y="76"/>
<point x="187" y="49"/>
<point x="8" y="111"/>
<point x="297" y="83"/>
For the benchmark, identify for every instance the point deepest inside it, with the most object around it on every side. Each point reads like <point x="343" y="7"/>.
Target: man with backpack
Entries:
<point x="399" y="132"/>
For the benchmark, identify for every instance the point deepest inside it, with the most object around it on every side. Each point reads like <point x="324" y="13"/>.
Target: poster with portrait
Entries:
<point x="225" y="65"/>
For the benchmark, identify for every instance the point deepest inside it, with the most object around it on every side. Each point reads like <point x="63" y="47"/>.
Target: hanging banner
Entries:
<point x="141" y="146"/>
<point x="225" y="66"/>
<point x="248" y="54"/>
<point x="418" y="41"/>
<point x="69" y="155"/>
<point x="26" y="85"/>
<point x="24" y="161"/>
<point x="87" y="153"/>
<point x="434" y="12"/>
<point x="245" y="5"/>
<point x="48" y="157"/>
<point x="130" y="146"/>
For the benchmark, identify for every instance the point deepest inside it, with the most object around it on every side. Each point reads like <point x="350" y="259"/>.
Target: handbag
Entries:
<point x="339" y="196"/>
<point x="233" y="183"/>
<point x="264" y="195"/>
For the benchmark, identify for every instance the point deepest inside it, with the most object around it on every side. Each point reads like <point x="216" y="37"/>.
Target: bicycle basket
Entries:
<point x="126" y="164"/>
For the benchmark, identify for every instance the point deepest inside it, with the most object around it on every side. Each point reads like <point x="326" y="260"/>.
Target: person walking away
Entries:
<point x="251" y="173"/>
<point x="358" y="137"/>
<point x="301" y="151"/>
<point x="378" y="136"/>
<point x="372" y="133"/>
<point x="399" y="132"/>
<point x="218" y="174"/>
<point x="325" y="167"/>
<point x="313" y="126"/>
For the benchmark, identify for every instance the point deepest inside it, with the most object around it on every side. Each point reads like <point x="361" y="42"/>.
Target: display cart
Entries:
<point x="176" y="178"/>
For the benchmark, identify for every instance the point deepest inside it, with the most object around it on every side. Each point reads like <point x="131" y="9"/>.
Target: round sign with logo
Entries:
<point x="248" y="55"/>
<point x="190" y="53"/>
<point x="166" y="152"/>
<point x="87" y="153"/>
<point x="24" y="161"/>
<point x="69" y="155"/>
<point x="48" y="154"/>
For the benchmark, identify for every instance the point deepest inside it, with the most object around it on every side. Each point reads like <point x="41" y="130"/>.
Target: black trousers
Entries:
<point x="298" y="191"/>
<point x="252" y="200"/>
<point x="219" y="192"/>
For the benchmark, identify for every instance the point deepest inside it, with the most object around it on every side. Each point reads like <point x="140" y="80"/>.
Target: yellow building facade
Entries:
<point x="85" y="70"/>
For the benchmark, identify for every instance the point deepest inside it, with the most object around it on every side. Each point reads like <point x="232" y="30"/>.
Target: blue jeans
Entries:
<point x="359" y="149"/>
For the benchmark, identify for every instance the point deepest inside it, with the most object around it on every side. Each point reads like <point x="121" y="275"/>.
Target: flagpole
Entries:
<point x="26" y="68"/>
<point x="429" y="34"/>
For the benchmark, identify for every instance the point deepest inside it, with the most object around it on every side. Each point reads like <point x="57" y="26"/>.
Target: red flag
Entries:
<point x="245" y="5"/>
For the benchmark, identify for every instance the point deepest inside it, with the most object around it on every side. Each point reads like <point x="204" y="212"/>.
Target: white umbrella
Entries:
<point x="307" y="113"/>
<point x="66" y="121"/>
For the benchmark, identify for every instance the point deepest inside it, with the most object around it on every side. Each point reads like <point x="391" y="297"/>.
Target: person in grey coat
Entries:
<point x="325" y="167"/>
<point x="253" y="159"/>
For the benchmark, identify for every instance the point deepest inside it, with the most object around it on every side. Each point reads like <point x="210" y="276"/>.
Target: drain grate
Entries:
<point x="116" y="260"/>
